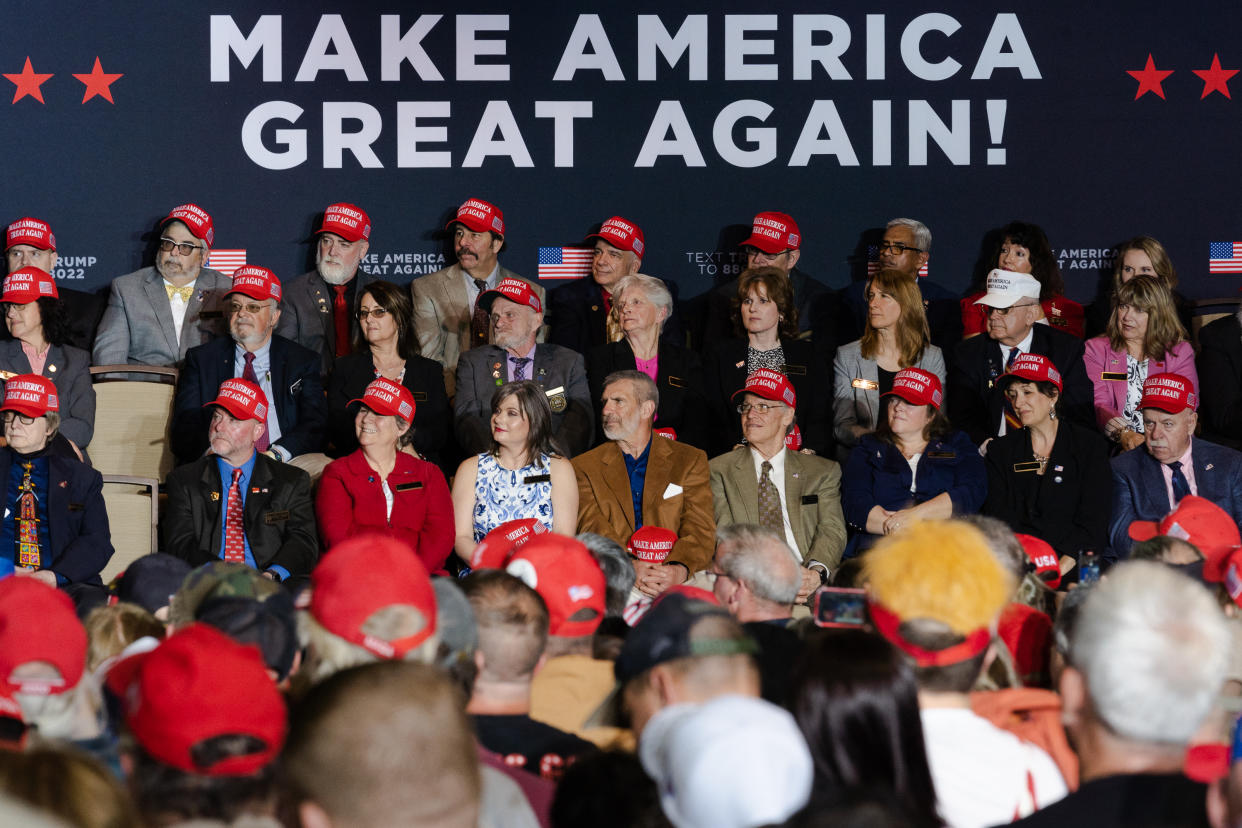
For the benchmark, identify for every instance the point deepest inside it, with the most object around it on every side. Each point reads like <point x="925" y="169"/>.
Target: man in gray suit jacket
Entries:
<point x="797" y="496"/>
<point x="1148" y="482"/>
<point x="447" y="315"/>
<point x="156" y="314"/>
<point x="516" y="314"/>
<point x="318" y="307"/>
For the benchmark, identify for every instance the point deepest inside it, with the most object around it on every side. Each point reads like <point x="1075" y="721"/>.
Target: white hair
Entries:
<point x="1153" y="648"/>
<point x="761" y="558"/>
<point x="922" y="236"/>
<point x="654" y="289"/>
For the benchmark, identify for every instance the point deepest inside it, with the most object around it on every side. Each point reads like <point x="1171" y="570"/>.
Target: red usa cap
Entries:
<point x="1169" y="392"/>
<point x="1232" y="578"/>
<point x="651" y="544"/>
<point x="515" y="290"/>
<point x="774" y="233"/>
<point x="1200" y="522"/>
<point x="383" y="396"/>
<point x="479" y="216"/>
<point x="30" y="394"/>
<point x="666" y="432"/>
<point x="917" y="387"/>
<point x="199" y="684"/>
<point x="770" y="385"/>
<point x="1034" y="368"/>
<point x="347" y="221"/>
<point x="565" y="574"/>
<point x="256" y="282"/>
<point x="622" y="234"/>
<point x="38" y="623"/>
<point x="28" y="284"/>
<point x="793" y="440"/>
<point x="361" y="576"/>
<point x="1044" y="557"/>
<point x="497" y="545"/>
<point x="31" y="231"/>
<point x="196" y="219"/>
<point x="241" y="398"/>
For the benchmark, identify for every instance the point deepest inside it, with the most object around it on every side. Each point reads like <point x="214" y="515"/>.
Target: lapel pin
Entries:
<point x="741" y="364"/>
<point x="215" y="496"/>
<point x="64" y="484"/>
<point x="1208" y="467"/>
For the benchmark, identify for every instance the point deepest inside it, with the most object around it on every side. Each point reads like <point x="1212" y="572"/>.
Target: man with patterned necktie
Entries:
<point x="1149" y="482"/>
<point x="156" y="314"/>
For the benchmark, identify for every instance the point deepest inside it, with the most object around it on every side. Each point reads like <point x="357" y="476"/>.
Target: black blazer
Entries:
<point x="976" y="406"/>
<point x="1069" y="505"/>
<point x="577" y="319"/>
<point x="1220" y="381"/>
<point x="725" y="370"/>
<point x="683" y="404"/>
<point x="77" y="519"/>
<point x="296" y="385"/>
<point x="279" y="516"/>
<point x="433" y="433"/>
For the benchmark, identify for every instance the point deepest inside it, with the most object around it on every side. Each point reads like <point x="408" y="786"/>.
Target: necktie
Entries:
<point x="184" y="292"/>
<point x="1012" y="423"/>
<point x="1181" y="486"/>
<point x="27" y="521"/>
<point x="248" y="374"/>
<point x="519" y="367"/>
<point x="769" y="502"/>
<point x="340" y="315"/>
<point x="234" y="537"/>
<point x="478" y="322"/>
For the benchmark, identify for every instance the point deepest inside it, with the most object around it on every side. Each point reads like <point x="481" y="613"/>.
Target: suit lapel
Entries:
<point x="158" y="297"/>
<point x="455" y="291"/>
<point x="319" y="297"/>
<point x="659" y="469"/>
<point x="618" y="480"/>
<point x="257" y="500"/>
<point x="793" y="498"/>
<point x="214" y="506"/>
<point x="747" y="486"/>
<point x="276" y="362"/>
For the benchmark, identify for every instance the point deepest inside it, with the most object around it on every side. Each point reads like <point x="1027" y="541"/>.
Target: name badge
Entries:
<point x="865" y="384"/>
<point x="276" y="517"/>
<point x="409" y="487"/>
<point x="537" y="478"/>
<point x="810" y="500"/>
<point x="1113" y="375"/>
<point x="677" y="382"/>
<point x="942" y="455"/>
<point x="1028" y="466"/>
<point x="556" y="399"/>
<point x="419" y="396"/>
<point x="793" y="370"/>
<point x="76" y="507"/>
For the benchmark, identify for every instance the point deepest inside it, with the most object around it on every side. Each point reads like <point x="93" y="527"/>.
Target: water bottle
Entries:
<point x="1088" y="567"/>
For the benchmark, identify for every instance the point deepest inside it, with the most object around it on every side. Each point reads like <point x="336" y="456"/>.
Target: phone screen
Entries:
<point x="840" y="607"/>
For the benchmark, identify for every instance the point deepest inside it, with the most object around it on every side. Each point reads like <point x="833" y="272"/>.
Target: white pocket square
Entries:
<point x="672" y="491"/>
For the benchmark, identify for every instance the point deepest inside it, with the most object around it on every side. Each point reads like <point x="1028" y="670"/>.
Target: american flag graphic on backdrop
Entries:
<point x="564" y="262"/>
<point x="1225" y="257"/>
<point x="226" y="261"/>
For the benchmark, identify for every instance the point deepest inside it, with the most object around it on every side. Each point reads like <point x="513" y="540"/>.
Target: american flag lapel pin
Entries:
<point x="1208" y="467"/>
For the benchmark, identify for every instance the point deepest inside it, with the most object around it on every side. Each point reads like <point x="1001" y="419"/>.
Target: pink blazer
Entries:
<point x="1110" y="394"/>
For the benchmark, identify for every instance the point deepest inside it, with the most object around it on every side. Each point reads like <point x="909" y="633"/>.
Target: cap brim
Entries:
<point x="245" y="290"/>
<point x="1214" y="565"/>
<point x="1141" y="530"/>
<point x="999" y="300"/>
<point x="374" y="405"/>
<point x="184" y="223"/>
<point x="344" y="233"/>
<point x="615" y="241"/>
<point x="24" y="408"/>
<point x="233" y="408"/>
<point x="31" y="242"/>
<point x="1162" y="404"/>
<point x="479" y="227"/>
<point x="767" y="245"/>
<point x="776" y="397"/>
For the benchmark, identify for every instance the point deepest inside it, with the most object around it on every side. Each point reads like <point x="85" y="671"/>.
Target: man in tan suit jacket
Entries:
<point x="808" y="516"/>
<point x="673" y="493"/>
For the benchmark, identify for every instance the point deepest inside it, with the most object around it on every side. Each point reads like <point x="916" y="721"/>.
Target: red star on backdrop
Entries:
<point x="27" y="82"/>
<point x="98" y="82"/>
<point x="1149" y="78"/>
<point x="1215" y="79"/>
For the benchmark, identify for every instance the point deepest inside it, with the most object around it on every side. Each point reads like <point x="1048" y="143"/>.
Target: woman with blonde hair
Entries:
<point x="1139" y="256"/>
<point x="895" y="337"/>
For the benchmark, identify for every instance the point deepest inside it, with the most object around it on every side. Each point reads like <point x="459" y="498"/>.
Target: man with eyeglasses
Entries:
<point x="795" y="495"/>
<point x="30" y="243"/>
<point x="317" y="310"/>
<point x="287" y="372"/>
<point x="516" y="314"/>
<point x="975" y="402"/>
<point x="156" y="314"/>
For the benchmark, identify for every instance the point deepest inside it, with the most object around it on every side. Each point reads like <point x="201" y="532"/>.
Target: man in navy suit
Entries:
<point x="287" y="373"/>
<point x="1149" y="482"/>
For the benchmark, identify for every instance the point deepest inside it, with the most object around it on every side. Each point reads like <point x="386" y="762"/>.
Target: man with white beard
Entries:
<point x="318" y="308"/>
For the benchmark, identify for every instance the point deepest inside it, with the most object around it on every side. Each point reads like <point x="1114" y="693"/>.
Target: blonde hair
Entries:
<point x="1153" y="297"/>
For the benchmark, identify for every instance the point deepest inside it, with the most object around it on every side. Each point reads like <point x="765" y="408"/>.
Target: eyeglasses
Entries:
<point x="10" y="416"/>
<point x="898" y="248"/>
<point x="182" y="248"/>
<point x="763" y="255"/>
<point x="1005" y="311"/>
<point x="375" y="313"/>
<point x="252" y="308"/>
<point x="762" y="408"/>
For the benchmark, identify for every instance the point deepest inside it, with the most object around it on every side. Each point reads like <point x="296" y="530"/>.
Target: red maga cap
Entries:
<point x="1044" y="557"/>
<point x="1033" y="368"/>
<point x="622" y="234"/>
<point x="30" y="394"/>
<point x="347" y="221"/>
<point x="383" y="396"/>
<point x="197" y="685"/>
<point x="1169" y="392"/>
<point x="28" y="284"/>
<point x="361" y="576"/>
<point x="887" y="624"/>
<point x="917" y="387"/>
<point x="38" y="623"/>
<point x="1200" y="522"/>
<point x="774" y="233"/>
<point x="241" y="398"/>
<point x="196" y="219"/>
<point x="651" y="544"/>
<point x="1232" y="575"/>
<point x="666" y="432"/>
<point x="515" y="290"/>
<point x="568" y="578"/>
<point x="498" y="545"/>
<point x="479" y="216"/>
<point x="793" y="440"/>
<point x="256" y="282"/>
<point x="770" y="385"/>
<point x="31" y="231"/>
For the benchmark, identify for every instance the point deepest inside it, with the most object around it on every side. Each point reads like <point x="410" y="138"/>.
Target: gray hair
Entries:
<point x="654" y="289"/>
<point x="922" y="236"/>
<point x="761" y="558"/>
<point x="619" y="575"/>
<point x="1153" y="648"/>
<point x="644" y="386"/>
<point x="327" y="653"/>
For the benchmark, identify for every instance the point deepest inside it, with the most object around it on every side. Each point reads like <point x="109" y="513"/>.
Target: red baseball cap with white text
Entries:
<point x="256" y="282"/>
<point x="29" y="284"/>
<point x="30" y="231"/>
<point x="568" y="578"/>
<point x="30" y="394"/>
<point x="196" y="220"/>
<point x="241" y="398"/>
<point x="917" y="387"/>
<point x="1172" y="393"/>
<point x="480" y="216"/>
<point x="622" y="234"/>
<point x="38" y="623"/>
<point x="347" y="221"/>
<point x="515" y="290"/>
<point x="770" y="385"/>
<point x="774" y="233"/>
<point x="383" y="396"/>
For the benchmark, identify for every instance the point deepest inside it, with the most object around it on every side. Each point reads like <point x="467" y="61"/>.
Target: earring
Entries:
<point x="1052" y="415"/>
